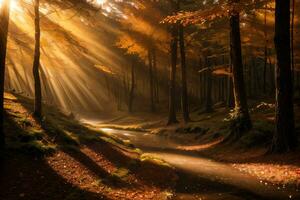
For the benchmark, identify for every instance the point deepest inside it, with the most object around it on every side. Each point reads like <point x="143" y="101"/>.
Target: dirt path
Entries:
<point x="202" y="178"/>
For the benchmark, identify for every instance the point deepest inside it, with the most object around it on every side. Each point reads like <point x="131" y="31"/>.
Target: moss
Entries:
<point x="36" y="148"/>
<point x="97" y="182"/>
<point x="25" y="122"/>
<point x="150" y="158"/>
<point x="121" y="173"/>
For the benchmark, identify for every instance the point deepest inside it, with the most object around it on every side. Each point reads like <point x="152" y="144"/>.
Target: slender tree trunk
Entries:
<point x="209" y="80"/>
<point x="285" y="137"/>
<point x="184" y="92"/>
<point x="201" y="85"/>
<point x="36" y="63"/>
<point x="156" y="79"/>
<point x="132" y="87"/>
<point x="266" y="52"/>
<point x="242" y="116"/>
<point x="151" y="80"/>
<point x="4" y="22"/>
<point x="230" y="97"/>
<point x="250" y="77"/>
<point x="172" y="85"/>
<point x="292" y="41"/>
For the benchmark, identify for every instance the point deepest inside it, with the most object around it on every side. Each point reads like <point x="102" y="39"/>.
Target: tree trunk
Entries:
<point x="292" y="41"/>
<point x="241" y="115"/>
<point x="36" y="63"/>
<point x="132" y="87"/>
<point x="209" y="80"/>
<point x="230" y="97"/>
<point x="272" y="78"/>
<point x="172" y="85"/>
<point x="151" y="80"/>
<point x="266" y="52"/>
<point x="156" y="79"/>
<point x="184" y="92"/>
<point x="285" y="137"/>
<point x="201" y="85"/>
<point x="4" y="22"/>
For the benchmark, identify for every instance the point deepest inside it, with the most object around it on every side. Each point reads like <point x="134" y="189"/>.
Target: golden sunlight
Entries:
<point x="14" y="5"/>
<point x="100" y="2"/>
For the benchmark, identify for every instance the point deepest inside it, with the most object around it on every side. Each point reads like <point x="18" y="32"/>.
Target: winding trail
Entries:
<point x="208" y="179"/>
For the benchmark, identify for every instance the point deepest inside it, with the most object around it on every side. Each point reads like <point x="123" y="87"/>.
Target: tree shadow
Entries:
<point x="90" y="139"/>
<point x="28" y="176"/>
<point x="32" y="178"/>
<point x="19" y="139"/>
<point x="192" y="184"/>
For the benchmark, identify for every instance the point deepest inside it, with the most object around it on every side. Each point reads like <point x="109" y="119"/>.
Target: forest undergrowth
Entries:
<point x="57" y="158"/>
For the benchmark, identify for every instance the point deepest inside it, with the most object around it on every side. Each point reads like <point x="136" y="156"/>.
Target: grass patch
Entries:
<point x="150" y="158"/>
<point x="121" y="173"/>
<point x="36" y="148"/>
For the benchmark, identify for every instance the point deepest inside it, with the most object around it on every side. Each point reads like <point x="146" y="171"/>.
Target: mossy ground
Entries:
<point x="58" y="158"/>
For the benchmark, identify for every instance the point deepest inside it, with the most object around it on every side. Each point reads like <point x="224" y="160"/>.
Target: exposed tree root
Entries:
<point x="238" y="126"/>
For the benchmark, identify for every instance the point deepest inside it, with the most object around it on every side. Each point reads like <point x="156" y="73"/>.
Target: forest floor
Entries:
<point x="59" y="159"/>
<point x="203" y="137"/>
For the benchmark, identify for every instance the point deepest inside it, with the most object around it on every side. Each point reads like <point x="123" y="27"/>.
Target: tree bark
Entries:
<point x="184" y="92"/>
<point x="292" y="41"/>
<point x="209" y="80"/>
<point x="36" y="63"/>
<point x="285" y="137"/>
<point x="155" y="77"/>
<point x="230" y="96"/>
<point x="241" y="115"/>
<point x="132" y="87"/>
<point x="266" y="51"/>
<point x="4" y="23"/>
<point x="151" y="80"/>
<point x="172" y="85"/>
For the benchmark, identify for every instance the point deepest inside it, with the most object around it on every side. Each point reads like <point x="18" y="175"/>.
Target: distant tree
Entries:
<point x="132" y="86"/>
<point x="4" y="22"/>
<point x="184" y="91"/>
<point x="172" y="85"/>
<point x="285" y="137"/>
<point x="209" y="85"/>
<point x="36" y="62"/>
<point x="151" y="56"/>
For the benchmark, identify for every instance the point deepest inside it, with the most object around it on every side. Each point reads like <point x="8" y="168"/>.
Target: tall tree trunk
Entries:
<point x="151" y="80"/>
<point x="209" y="80"/>
<point x="201" y="85"/>
<point x="4" y="22"/>
<point x="241" y="115"/>
<point x="266" y="52"/>
<point x="132" y="87"/>
<point x="230" y="96"/>
<point x="285" y="137"/>
<point x="36" y="63"/>
<point x="184" y="92"/>
<point x="272" y="77"/>
<point x="292" y="41"/>
<point x="156" y="79"/>
<point x="172" y="85"/>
